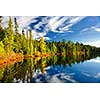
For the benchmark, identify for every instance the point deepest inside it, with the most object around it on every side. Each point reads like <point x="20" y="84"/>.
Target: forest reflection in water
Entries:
<point x="26" y="70"/>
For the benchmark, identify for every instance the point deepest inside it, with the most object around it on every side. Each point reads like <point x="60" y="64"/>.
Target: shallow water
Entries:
<point x="55" y="69"/>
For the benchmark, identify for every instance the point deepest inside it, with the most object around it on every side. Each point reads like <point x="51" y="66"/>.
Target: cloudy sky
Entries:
<point x="85" y="29"/>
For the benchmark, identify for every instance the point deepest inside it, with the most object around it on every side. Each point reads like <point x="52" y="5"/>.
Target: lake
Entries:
<point x="53" y="69"/>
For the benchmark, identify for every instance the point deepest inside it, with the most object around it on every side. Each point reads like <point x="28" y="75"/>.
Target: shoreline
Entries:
<point x="18" y="57"/>
<point x="10" y="59"/>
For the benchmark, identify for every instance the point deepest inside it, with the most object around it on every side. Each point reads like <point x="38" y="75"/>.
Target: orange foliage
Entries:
<point x="11" y="59"/>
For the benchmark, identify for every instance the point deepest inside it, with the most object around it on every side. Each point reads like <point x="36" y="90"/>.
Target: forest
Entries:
<point x="15" y="45"/>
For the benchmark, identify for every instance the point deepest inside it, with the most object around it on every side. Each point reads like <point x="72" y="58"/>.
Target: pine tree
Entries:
<point x="23" y="43"/>
<point x="23" y="32"/>
<point x="16" y="26"/>
<point x="10" y="34"/>
<point x="17" y="37"/>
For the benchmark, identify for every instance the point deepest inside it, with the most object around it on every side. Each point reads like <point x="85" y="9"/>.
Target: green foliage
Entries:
<point x="1" y="73"/>
<point x="6" y="45"/>
<point x="42" y="45"/>
<point x="17" y="38"/>
<point x="53" y="48"/>
<point x="2" y="51"/>
<point x="30" y="43"/>
<point x="10" y="34"/>
<point x="24" y="43"/>
<point x="8" y="74"/>
<point x="27" y="43"/>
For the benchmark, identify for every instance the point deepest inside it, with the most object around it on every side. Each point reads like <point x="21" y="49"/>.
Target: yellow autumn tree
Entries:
<point x="30" y="42"/>
<point x="42" y="45"/>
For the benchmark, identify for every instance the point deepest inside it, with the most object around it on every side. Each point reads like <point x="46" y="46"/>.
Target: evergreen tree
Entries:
<point x="10" y="34"/>
<point x="23" y="43"/>
<point x="17" y="37"/>
<point x="16" y="26"/>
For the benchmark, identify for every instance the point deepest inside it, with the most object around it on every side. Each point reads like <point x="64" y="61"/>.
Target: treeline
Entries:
<point x="14" y="42"/>
<point x="64" y="48"/>
<point x="71" y="48"/>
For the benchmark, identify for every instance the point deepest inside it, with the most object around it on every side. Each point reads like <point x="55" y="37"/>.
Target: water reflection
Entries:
<point x="46" y="69"/>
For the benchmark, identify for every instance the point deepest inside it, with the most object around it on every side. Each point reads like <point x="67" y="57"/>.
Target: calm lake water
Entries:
<point x="55" y="69"/>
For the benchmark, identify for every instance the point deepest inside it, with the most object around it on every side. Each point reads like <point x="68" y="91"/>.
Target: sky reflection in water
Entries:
<point x="55" y="69"/>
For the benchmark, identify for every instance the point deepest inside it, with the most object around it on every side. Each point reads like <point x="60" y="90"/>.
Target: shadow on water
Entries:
<point x="35" y="69"/>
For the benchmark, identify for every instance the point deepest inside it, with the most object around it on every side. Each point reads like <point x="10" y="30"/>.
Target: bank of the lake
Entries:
<point x="17" y="57"/>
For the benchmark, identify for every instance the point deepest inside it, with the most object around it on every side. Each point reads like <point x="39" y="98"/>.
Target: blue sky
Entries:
<point x="85" y="29"/>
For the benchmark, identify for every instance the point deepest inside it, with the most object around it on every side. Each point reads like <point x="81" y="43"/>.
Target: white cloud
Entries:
<point x="96" y="29"/>
<point x="38" y="35"/>
<point x="5" y="21"/>
<point x="97" y="60"/>
<point x="25" y="20"/>
<point x="93" y="43"/>
<point x="76" y="19"/>
<point x="47" y="38"/>
<point x="35" y="35"/>
<point x="43" y="21"/>
<point x="41" y="34"/>
<point x="52" y="23"/>
<point x="66" y="28"/>
<point x="63" y="23"/>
